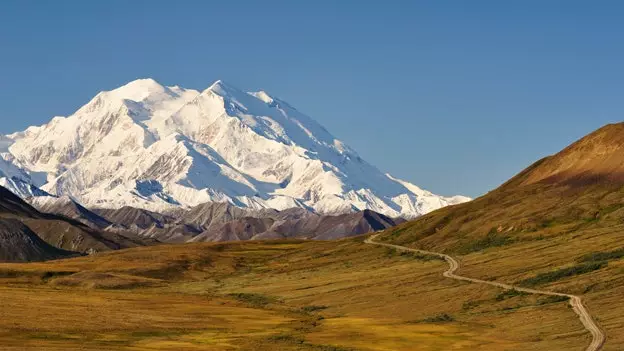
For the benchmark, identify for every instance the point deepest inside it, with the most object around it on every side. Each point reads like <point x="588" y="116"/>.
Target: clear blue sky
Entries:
<point x="455" y="96"/>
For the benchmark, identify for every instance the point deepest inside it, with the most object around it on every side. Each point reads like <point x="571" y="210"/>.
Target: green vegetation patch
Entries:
<point x="438" y="318"/>
<point x="492" y="239"/>
<point x="552" y="299"/>
<point x="287" y="338"/>
<point x="258" y="300"/>
<point x="507" y="294"/>
<point x="313" y="308"/>
<point x="603" y="256"/>
<point x="549" y="223"/>
<point x="9" y="273"/>
<point x="397" y="232"/>
<point x="468" y="305"/>
<point x="328" y="348"/>
<point x="420" y="256"/>
<point x="52" y="274"/>
<point x="553" y="276"/>
<point x="392" y="252"/>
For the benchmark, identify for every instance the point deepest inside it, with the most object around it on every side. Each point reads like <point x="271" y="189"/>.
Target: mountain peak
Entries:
<point x="139" y="90"/>
<point x="246" y="149"/>
<point x="224" y="89"/>
<point x="144" y="83"/>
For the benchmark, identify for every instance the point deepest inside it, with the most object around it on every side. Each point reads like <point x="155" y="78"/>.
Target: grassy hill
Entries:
<point x="558" y="225"/>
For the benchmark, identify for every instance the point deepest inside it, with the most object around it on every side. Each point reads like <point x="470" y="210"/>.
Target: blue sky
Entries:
<point x="455" y="96"/>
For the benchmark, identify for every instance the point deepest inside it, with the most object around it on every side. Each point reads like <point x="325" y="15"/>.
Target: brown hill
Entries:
<point x="59" y="231"/>
<point x="20" y="244"/>
<point x="558" y="225"/>
<point x="582" y="183"/>
<point x="596" y="158"/>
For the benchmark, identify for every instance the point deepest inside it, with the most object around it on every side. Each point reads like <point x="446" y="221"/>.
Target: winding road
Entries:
<point x="598" y="336"/>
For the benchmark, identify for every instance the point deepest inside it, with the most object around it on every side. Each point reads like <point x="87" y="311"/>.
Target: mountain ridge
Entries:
<point x="154" y="147"/>
<point x="26" y="234"/>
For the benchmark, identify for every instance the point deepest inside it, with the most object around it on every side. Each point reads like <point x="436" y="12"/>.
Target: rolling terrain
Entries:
<point x="598" y="335"/>
<point x="269" y="295"/>
<point x="536" y="264"/>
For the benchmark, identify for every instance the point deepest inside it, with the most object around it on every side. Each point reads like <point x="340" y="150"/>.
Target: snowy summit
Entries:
<point x="156" y="147"/>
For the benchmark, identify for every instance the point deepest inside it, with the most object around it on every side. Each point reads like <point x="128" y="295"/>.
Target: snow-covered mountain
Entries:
<point x="155" y="147"/>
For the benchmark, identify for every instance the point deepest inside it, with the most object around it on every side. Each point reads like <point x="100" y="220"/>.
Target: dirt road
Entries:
<point x="598" y="336"/>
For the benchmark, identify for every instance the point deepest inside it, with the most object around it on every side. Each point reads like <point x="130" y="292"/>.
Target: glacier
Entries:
<point x="160" y="148"/>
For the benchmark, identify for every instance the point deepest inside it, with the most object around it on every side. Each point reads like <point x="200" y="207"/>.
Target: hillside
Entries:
<point x="20" y="244"/>
<point x="557" y="225"/>
<point x="595" y="159"/>
<point x="579" y="185"/>
<point x="56" y="230"/>
<point x="69" y="208"/>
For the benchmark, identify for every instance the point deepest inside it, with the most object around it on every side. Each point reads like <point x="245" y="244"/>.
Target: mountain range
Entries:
<point x="214" y="221"/>
<point x="159" y="149"/>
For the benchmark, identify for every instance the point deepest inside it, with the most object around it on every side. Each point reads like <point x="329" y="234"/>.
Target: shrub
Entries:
<point x="313" y="308"/>
<point x="492" y="239"/>
<point x="509" y="294"/>
<point x="552" y="299"/>
<point x="603" y="256"/>
<point x="258" y="300"/>
<point x="440" y="318"/>
<point x="549" y="277"/>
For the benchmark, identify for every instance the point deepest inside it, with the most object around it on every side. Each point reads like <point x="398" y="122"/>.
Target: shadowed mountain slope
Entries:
<point x="135" y="217"/>
<point x="20" y="244"/>
<point x="57" y="230"/>
<point x="69" y="208"/>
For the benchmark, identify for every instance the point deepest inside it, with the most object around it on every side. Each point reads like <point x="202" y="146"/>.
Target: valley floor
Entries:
<point x="293" y="295"/>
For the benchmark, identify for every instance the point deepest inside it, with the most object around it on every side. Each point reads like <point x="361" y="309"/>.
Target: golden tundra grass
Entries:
<point x="525" y="235"/>
<point x="292" y="295"/>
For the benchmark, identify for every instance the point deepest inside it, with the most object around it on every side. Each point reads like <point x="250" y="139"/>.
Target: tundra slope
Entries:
<point x="598" y="336"/>
<point x="557" y="225"/>
<point x="158" y="148"/>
